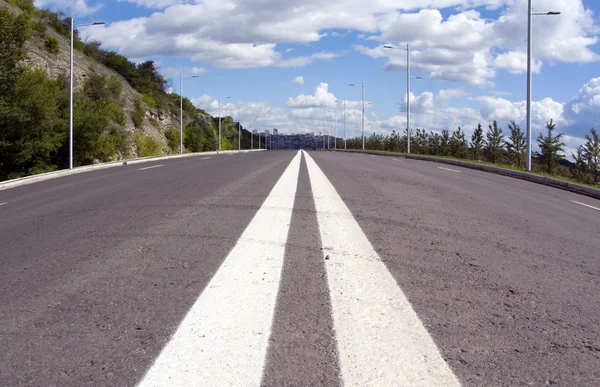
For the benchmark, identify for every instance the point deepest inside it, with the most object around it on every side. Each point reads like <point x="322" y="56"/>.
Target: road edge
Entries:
<point x="88" y="168"/>
<point x="543" y="180"/>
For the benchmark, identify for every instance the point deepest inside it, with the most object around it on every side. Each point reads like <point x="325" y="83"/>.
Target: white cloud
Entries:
<point x="583" y="111"/>
<point x="76" y="7"/>
<point x="462" y="47"/>
<point x="299" y="80"/>
<point x="321" y="98"/>
<point x="516" y="62"/>
<point x="171" y="72"/>
<point x="448" y="94"/>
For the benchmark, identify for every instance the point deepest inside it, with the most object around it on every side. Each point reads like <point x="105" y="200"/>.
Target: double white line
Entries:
<point x="223" y="339"/>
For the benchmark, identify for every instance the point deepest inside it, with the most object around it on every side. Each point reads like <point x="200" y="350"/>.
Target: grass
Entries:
<point x="505" y="166"/>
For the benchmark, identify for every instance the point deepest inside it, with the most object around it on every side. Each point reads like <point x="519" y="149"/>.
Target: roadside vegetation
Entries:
<point x="497" y="148"/>
<point x="34" y="107"/>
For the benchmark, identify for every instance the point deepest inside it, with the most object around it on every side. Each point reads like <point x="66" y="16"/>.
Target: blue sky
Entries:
<point x="474" y="48"/>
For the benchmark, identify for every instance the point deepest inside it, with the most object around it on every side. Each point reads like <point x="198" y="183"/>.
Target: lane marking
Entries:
<point x="206" y="158"/>
<point x="581" y="204"/>
<point x="154" y="166"/>
<point x="381" y="340"/>
<point x="223" y="339"/>
<point x="394" y="158"/>
<point x="1" y="204"/>
<point x="448" y="169"/>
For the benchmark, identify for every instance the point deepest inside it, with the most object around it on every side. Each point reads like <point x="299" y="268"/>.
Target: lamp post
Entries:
<point x="344" y="124"/>
<point x="335" y="125"/>
<point x="529" y="80"/>
<point x="220" y="121"/>
<point x="181" y="78"/>
<point x="408" y="78"/>
<point x="71" y="87"/>
<point x="363" y="114"/>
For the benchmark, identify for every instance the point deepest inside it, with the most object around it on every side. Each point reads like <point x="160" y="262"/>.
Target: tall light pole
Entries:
<point x="408" y="78"/>
<point x="220" y="122"/>
<point x="181" y="78"/>
<point x="71" y="87"/>
<point x="335" y="125"/>
<point x="344" y="124"/>
<point x="529" y="80"/>
<point x="363" y="114"/>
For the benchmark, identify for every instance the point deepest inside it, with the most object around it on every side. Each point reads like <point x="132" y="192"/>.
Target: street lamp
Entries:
<point x="363" y="114"/>
<point x="408" y="78"/>
<point x="344" y="124"/>
<point x="181" y="78"/>
<point x="529" y="86"/>
<point x="71" y="88"/>
<point x="335" y="125"/>
<point x="220" y="121"/>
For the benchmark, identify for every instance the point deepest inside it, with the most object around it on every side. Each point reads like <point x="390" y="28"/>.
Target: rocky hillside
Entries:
<point x="121" y="108"/>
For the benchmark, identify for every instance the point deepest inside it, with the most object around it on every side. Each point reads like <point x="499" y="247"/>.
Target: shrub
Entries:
<point x="51" y="45"/>
<point x="137" y="116"/>
<point x="151" y="102"/>
<point x="173" y="138"/>
<point x="147" y="146"/>
<point x="39" y="27"/>
<point x="114" y="86"/>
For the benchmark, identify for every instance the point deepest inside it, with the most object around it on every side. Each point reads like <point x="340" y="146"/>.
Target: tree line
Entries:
<point x="494" y="146"/>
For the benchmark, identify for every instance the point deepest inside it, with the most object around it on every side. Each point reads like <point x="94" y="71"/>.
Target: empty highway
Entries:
<point x="292" y="268"/>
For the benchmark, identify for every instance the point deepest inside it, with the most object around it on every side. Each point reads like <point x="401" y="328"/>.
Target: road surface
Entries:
<point x="298" y="269"/>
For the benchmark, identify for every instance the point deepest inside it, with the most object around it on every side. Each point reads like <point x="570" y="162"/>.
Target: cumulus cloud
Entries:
<point x="516" y="62"/>
<point x="299" y="80"/>
<point x="76" y="7"/>
<point x="321" y="98"/>
<point x="583" y="111"/>
<point x="448" y="94"/>
<point x="170" y="72"/>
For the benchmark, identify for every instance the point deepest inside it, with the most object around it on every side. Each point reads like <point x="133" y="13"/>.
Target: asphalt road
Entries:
<point x="288" y="269"/>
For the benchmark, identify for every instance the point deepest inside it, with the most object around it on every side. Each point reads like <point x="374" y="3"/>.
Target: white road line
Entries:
<point x="206" y="158"/>
<point x="394" y="158"/>
<point x="583" y="204"/>
<point x="448" y="169"/>
<point x="1" y="204"/>
<point x="154" y="166"/>
<point x="380" y="338"/>
<point x="223" y="339"/>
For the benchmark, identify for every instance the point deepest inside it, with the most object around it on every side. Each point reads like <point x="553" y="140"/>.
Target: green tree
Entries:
<point x="551" y="148"/>
<point x="420" y="142"/>
<point x="31" y="128"/>
<point x="591" y="151"/>
<point x="580" y="169"/>
<point x="516" y="144"/>
<point x="458" y="144"/>
<point x="444" y="149"/>
<point x="477" y="142"/>
<point x="434" y="143"/>
<point x="493" y="147"/>
<point x="393" y="142"/>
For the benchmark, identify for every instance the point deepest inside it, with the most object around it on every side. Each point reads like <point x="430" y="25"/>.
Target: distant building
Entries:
<point x="275" y="132"/>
